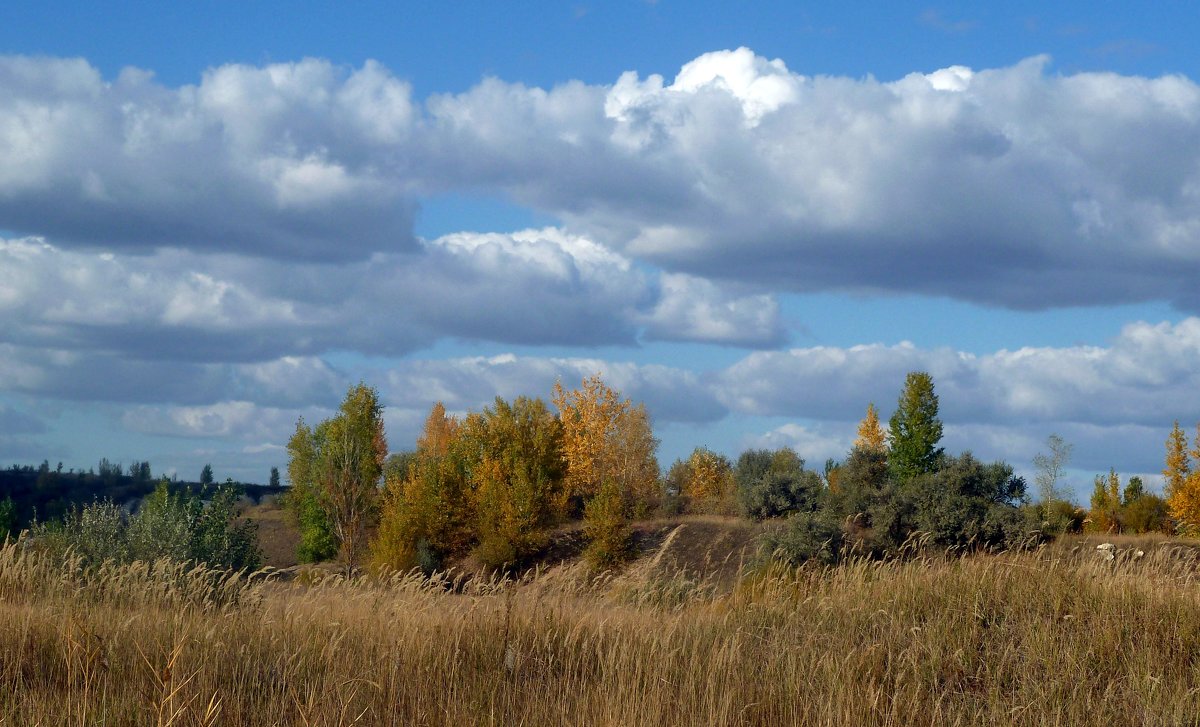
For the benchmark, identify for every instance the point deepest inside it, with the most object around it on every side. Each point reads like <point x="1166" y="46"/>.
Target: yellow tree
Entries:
<point x="871" y="436"/>
<point x="425" y="510"/>
<point x="606" y="438"/>
<point x="1182" y="484"/>
<point x="708" y="484"/>
<point x="1106" y="503"/>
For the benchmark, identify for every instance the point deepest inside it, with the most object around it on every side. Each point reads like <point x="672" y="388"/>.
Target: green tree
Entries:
<point x="274" y="481"/>
<point x="773" y="484"/>
<point x="335" y="472"/>
<point x="302" y="501"/>
<point x="8" y="516"/>
<point x="515" y="472"/>
<point x="206" y="475"/>
<point x="915" y="430"/>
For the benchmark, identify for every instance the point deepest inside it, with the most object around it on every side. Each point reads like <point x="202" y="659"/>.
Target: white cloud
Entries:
<point x="1011" y="186"/>
<point x="1148" y="375"/>
<point x="532" y="286"/>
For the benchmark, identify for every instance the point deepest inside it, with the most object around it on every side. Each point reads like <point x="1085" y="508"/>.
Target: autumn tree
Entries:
<point x="1182" y="482"/>
<point x="339" y="465"/>
<point x="1105" y="513"/>
<point x="514" y="465"/>
<point x="705" y="482"/>
<point x="871" y="436"/>
<point x="425" y="510"/>
<point x="609" y="451"/>
<point x="914" y="429"/>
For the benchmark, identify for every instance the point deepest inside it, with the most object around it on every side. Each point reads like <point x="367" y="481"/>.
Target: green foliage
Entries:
<point x="516" y="475"/>
<point x="274" y="480"/>
<point x="606" y="525"/>
<point x="774" y="484"/>
<point x="8" y="517"/>
<point x="316" y="533"/>
<point x="206" y="475"/>
<point x="1057" y="517"/>
<point x="335" y="471"/>
<point x="968" y="503"/>
<point x="1147" y="513"/>
<point x="176" y="525"/>
<point x="915" y="430"/>
<point x="807" y="536"/>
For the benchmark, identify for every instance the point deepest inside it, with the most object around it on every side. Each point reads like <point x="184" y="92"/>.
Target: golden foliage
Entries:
<point x="871" y="436"/>
<point x="1182" y="482"/>
<point x="708" y="484"/>
<point x="606" y="437"/>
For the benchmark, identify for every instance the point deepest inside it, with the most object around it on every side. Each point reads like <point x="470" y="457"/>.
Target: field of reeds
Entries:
<point x="1052" y="636"/>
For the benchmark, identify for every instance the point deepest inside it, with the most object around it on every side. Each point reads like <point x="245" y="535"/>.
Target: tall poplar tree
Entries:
<point x="915" y="430"/>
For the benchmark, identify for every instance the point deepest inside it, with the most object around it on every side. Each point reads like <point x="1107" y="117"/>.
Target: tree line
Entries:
<point x="493" y="484"/>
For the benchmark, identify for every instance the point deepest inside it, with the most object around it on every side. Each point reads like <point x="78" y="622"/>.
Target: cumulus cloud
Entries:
<point x="1012" y="186"/>
<point x="532" y="286"/>
<point x="814" y="443"/>
<point x="1146" y="376"/>
<point x="670" y="394"/>
<point x="298" y="160"/>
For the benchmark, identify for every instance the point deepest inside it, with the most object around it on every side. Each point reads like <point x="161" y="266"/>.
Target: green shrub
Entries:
<point x="807" y="536"/>
<point x="774" y="484"/>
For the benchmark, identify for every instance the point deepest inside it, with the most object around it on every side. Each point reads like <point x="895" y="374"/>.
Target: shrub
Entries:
<point x="607" y="527"/>
<point x="178" y="526"/>
<point x="773" y="484"/>
<point x="807" y="536"/>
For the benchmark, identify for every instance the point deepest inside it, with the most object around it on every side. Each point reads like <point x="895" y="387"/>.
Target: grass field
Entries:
<point x="1056" y="636"/>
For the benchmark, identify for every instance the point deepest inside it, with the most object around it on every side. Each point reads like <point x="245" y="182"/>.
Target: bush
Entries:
<point x="178" y="526"/>
<point x="774" y="484"/>
<point x="606" y="527"/>
<point x="807" y="536"/>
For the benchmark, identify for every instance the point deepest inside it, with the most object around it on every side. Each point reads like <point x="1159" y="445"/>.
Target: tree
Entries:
<point x="870" y="434"/>
<point x="206" y="475"/>
<point x="425" y="510"/>
<point x="704" y="482"/>
<point x="1134" y="491"/>
<point x="1182" y="483"/>
<point x="336" y="468"/>
<point x="915" y="430"/>
<point x="773" y="484"/>
<point x="608" y="448"/>
<point x="1105" y="513"/>
<point x="302" y="502"/>
<point x="514" y="463"/>
<point x="1050" y="468"/>
<point x="274" y="481"/>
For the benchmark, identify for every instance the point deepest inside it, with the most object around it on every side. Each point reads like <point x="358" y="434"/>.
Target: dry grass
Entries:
<point x="1057" y="636"/>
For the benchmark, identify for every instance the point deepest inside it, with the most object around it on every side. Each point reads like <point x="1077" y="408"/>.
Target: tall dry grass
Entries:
<point x="1056" y="636"/>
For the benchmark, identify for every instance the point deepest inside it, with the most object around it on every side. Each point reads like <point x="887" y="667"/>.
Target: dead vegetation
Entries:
<point x="1056" y="636"/>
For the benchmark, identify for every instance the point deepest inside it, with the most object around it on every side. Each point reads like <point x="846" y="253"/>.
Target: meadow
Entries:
<point x="1059" y="635"/>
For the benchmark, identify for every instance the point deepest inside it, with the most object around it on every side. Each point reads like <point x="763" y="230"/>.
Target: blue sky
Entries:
<point x="214" y="217"/>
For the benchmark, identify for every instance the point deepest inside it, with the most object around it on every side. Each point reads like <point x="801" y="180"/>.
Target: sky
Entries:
<point x="754" y="218"/>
